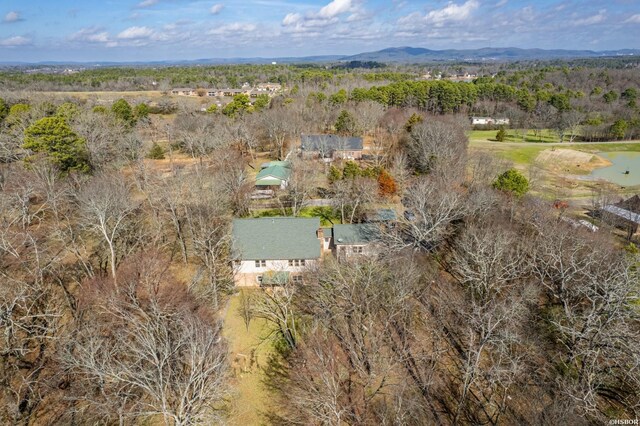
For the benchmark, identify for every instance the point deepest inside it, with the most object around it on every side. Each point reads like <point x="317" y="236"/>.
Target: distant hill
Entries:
<point x="393" y="54"/>
<point x="418" y="54"/>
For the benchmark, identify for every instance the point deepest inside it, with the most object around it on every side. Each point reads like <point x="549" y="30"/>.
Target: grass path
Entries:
<point x="249" y="397"/>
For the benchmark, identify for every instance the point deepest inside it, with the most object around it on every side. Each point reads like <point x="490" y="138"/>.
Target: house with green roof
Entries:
<point x="275" y="249"/>
<point x="273" y="175"/>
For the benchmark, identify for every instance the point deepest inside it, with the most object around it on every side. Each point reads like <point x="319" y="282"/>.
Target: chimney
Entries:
<point x="320" y="234"/>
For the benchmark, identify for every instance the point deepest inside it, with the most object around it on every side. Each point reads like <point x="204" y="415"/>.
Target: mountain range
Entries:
<point x="413" y="55"/>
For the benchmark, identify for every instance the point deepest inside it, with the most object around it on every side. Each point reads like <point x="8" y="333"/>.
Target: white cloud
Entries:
<point x="216" y="8"/>
<point x="90" y="35"/>
<point x="595" y="19"/>
<point x="147" y="3"/>
<point x="15" y="41"/>
<point x="452" y="13"/>
<point x="634" y="19"/>
<point x="291" y="19"/>
<point x="501" y="3"/>
<point x="133" y="33"/>
<point x="238" y="28"/>
<point x="311" y="22"/>
<point x="12" y="17"/>
<point x="335" y="8"/>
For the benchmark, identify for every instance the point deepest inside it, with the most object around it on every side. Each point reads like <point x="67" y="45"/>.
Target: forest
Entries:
<point x="481" y="304"/>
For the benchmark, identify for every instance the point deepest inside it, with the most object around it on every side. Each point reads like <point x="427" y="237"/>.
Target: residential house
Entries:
<point x="183" y="91"/>
<point x="274" y="250"/>
<point x="269" y="87"/>
<point x="624" y="215"/>
<point x="331" y="147"/>
<point x="355" y="240"/>
<point x="273" y="175"/>
<point x="489" y="121"/>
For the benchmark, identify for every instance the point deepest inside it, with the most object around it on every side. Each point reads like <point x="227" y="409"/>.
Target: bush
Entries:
<point x="501" y="135"/>
<point x="512" y="181"/>
<point x="156" y="152"/>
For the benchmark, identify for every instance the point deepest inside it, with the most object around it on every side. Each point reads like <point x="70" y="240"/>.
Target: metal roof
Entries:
<point x="278" y="170"/>
<point x="361" y="233"/>
<point x="623" y="213"/>
<point x="330" y="143"/>
<point x="276" y="238"/>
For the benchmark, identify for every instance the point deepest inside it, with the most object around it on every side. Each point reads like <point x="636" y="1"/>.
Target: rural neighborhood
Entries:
<point x="259" y="213"/>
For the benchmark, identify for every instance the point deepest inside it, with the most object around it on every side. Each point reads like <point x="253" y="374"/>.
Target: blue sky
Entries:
<point x="129" y="30"/>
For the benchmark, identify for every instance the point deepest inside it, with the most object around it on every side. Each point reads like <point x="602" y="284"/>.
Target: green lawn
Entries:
<point x="514" y="135"/>
<point x="326" y="214"/>
<point x="526" y="153"/>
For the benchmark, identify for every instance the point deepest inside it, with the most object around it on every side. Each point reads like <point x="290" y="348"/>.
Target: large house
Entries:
<point x="273" y="250"/>
<point x="273" y="175"/>
<point x="331" y="146"/>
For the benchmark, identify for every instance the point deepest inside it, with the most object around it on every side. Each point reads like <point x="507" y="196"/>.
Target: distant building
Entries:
<point x="269" y="87"/>
<point x="489" y="121"/>
<point x="331" y="146"/>
<point x="183" y="91"/>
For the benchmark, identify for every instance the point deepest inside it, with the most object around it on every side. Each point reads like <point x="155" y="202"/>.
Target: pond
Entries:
<point x="623" y="162"/>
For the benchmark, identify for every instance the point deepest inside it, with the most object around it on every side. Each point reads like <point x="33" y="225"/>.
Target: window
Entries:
<point x="296" y="262"/>
<point x="261" y="263"/>
<point x="259" y="278"/>
<point x="357" y="250"/>
<point x="297" y="279"/>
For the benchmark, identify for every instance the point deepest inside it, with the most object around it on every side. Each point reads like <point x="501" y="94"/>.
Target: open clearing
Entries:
<point x="561" y="167"/>
<point x="249" y="354"/>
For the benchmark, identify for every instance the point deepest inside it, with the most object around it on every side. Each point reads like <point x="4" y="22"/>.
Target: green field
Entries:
<point x="526" y="153"/>
<point x="544" y="136"/>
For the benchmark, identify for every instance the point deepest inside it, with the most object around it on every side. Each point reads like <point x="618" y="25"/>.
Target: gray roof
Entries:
<point x="361" y="233"/>
<point x="623" y="213"/>
<point x="382" y="215"/>
<point x="330" y="143"/>
<point x="276" y="238"/>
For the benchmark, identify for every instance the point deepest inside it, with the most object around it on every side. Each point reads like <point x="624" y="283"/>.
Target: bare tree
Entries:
<point x="148" y="350"/>
<point x="106" y="206"/>
<point x="438" y="148"/>
<point x="352" y="196"/>
<point x="300" y="186"/>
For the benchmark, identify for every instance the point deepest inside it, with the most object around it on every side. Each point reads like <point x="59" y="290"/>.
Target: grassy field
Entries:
<point x="249" y="353"/>
<point x="526" y="153"/>
<point x="514" y="135"/>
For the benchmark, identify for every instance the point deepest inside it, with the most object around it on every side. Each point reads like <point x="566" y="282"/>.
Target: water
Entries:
<point x="622" y="162"/>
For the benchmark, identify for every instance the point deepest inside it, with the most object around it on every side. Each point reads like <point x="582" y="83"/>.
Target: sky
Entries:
<point x="143" y="30"/>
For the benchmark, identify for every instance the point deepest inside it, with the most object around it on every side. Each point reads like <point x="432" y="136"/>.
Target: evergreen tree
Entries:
<point x="413" y="120"/>
<point x="512" y="181"/>
<point x="334" y="174"/>
<point x="156" y="152"/>
<point x="53" y="137"/>
<point x="122" y="110"/>
<point x="345" y="123"/>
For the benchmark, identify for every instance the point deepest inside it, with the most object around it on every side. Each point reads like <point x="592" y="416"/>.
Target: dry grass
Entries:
<point x="249" y="354"/>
